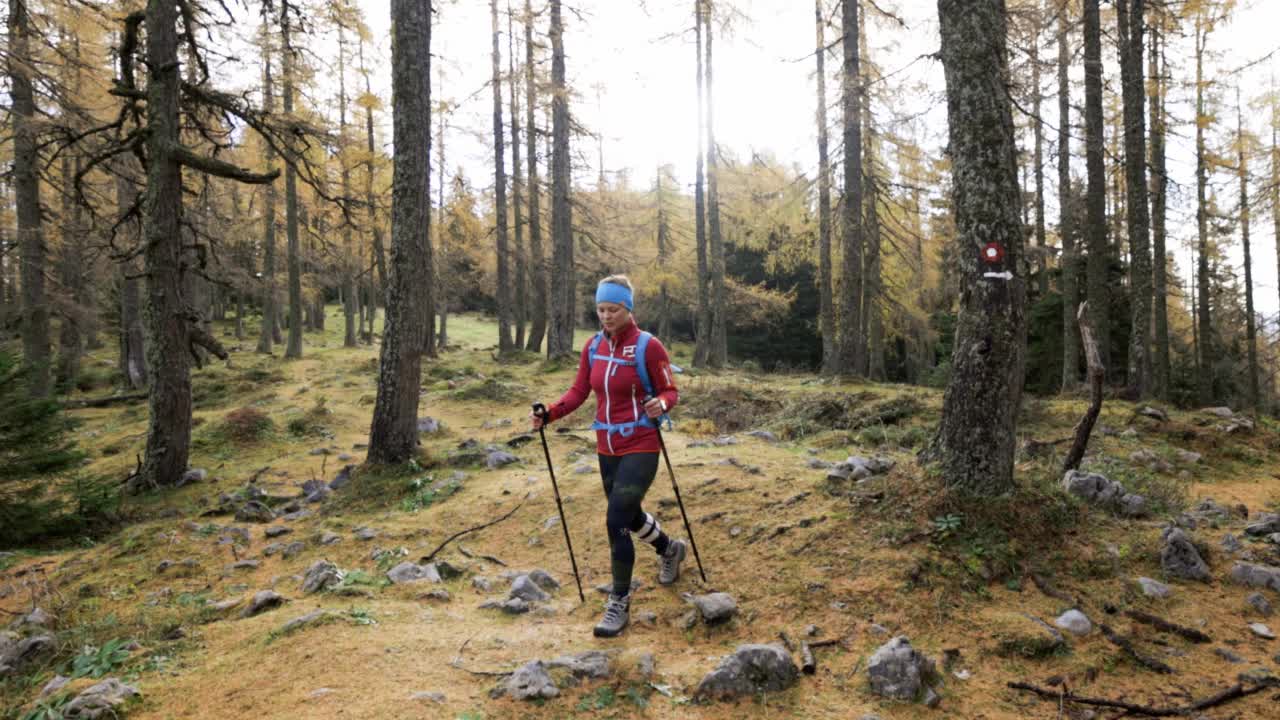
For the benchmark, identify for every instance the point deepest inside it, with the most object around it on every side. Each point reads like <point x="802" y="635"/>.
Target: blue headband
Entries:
<point x="613" y="293"/>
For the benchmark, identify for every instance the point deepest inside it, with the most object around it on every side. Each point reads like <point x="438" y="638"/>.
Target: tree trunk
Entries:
<point x="133" y="360"/>
<point x="1131" y="23"/>
<point x="1161" y="369"/>
<point x="70" y="341"/>
<point x="977" y="433"/>
<point x="852" y="350"/>
<point x="1205" y="356"/>
<point x="565" y="294"/>
<point x="1250" y="322"/>
<point x="379" y="254"/>
<point x="1037" y="159"/>
<point x="168" y="345"/>
<point x="718" y="352"/>
<point x="1096" y="191"/>
<point x="350" y="301"/>
<point x="702" y="316"/>
<point x="294" y="348"/>
<point x="270" y="332"/>
<point x="502" y="294"/>
<point x="872" y="321"/>
<point x="826" y="311"/>
<point x="1066" y="226"/>
<point x="1275" y="175"/>
<point x="538" y="326"/>
<point x="393" y="437"/>
<point x="521" y="314"/>
<point x="26" y="183"/>
<point x="664" y="297"/>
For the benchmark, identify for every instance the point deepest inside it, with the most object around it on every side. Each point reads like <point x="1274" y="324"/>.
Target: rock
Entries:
<point x="194" y="475"/>
<point x="898" y="671"/>
<point x="750" y="670"/>
<point x="319" y="495"/>
<point x="296" y="516"/>
<point x="544" y="579"/>
<point x="1230" y="544"/>
<point x="725" y="440"/>
<point x="764" y="435"/>
<point x="1188" y="457"/>
<point x="530" y="681"/>
<point x="328" y="538"/>
<point x="292" y="549"/>
<point x="1132" y="505"/>
<point x="1262" y="631"/>
<point x="482" y="583"/>
<point x="441" y="594"/>
<point x="313" y="486"/>
<point x="315" y="617"/>
<point x="428" y="425"/>
<point x="592" y="664"/>
<point x="320" y="692"/>
<point x="99" y="701"/>
<point x="526" y="589"/>
<point x="1227" y="655"/>
<point x="343" y="477"/>
<point x="366" y="533"/>
<point x="1154" y="413"/>
<point x="322" y="575"/>
<point x="1153" y="588"/>
<point x="510" y="606"/>
<point x="16" y="651"/>
<point x="224" y="605"/>
<point x="499" y="458"/>
<point x="1265" y="524"/>
<point x="645" y="665"/>
<point x="519" y="440"/>
<point x="449" y="571"/>
<point x="245" y="565"/>
<point x="583" y="469"/>
<point x="428" y="697"/>
<point x="1222" y="412"/>
<point x="234" y="534"/>
<point x="819" y="464"/>
<point x="57" y="683"/>
<point x="648" y="617"/>
<point x="1261" y="576"/>
<point x="254" y="511"/>
<point x="1074" y="622"/>
<point x="714" y="608"/>
<point x="1180" y="558"/>
<point x="1151" y="460"/>
<point x="262" y="601"/>
<point x="317" y="452"/>
<point x="36" y="618"/>
<point x="407" y="572"/>
<point x="1260" y="603"/>
<point x="276" y="531"/>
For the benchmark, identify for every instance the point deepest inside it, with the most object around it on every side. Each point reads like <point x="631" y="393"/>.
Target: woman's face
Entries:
<point x="613" y="317"/>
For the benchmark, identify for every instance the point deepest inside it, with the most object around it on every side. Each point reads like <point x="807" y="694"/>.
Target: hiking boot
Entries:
<point x="669" y="562"/>
<point x="617" y="613"/>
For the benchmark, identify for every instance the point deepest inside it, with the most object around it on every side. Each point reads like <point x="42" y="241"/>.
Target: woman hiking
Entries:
<point x="630" y="372"/>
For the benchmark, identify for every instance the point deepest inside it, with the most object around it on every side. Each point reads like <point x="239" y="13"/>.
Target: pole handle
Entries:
<point x="541" y="411"/>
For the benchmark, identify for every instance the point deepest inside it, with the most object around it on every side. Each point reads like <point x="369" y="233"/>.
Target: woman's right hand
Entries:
<point x="535" y="421"/>
<point x="538" y="417"/>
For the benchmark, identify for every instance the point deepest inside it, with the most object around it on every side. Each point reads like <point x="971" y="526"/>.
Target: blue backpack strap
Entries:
<point x="642" y="369"/>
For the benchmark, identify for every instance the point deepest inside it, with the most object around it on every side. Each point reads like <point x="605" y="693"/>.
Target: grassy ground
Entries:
<point x="894" y="557"/>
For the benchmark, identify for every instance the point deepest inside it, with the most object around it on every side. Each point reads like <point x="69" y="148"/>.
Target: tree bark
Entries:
<point x="26" y="184"/>
<point x="1275" y="174"/>
<point x="270" y="331"/>
<point x="1037" y="159"/>
<point x="664" y="230"/>
<point x="977" y="432"/>
<point x="852" y="351"/>
<point x="1250" y="322"/>
<point x="379" y="253"/>
<point x="1205" y="352"/>
<point x="393" y="436"/>
<point x="70" y="340"/>
<point x="521" y="309"/>
<point x="702" y="316"/>
<point x="565" y="294"/>
<point x="1161" y="369"/>
<point x="718" y="352"/>
<point x="502" y="294"/>
<point x="1131" y="19"/>
<point x="1096" y="191"/>
<point x="872" y="321"/>
<point x="1066" y="226"/>
<point x="294" y="348"/>
<point x="350" y="301"/>
<point x="826" y="307"/>
<point x="538" y="326"/>
<point x="133" y="360"/>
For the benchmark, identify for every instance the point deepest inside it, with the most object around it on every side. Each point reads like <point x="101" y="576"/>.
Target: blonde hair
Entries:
<point x="622" y="280"/>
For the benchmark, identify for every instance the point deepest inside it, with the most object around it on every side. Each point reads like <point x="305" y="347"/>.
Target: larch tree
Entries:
<point x="521" y="295"/>
<point x="826" y="308"/>
<point x="1243" y="147"/>
<point x="379" y="253"/>
<point x="565" y="291"/>
<point x="851" y="355"/>
<point x="1131" y="21"/>
<point x="1037" y="152"/>
<point x="872" y="322"/>
<point x="502" y="294"/>
<point x="350" y="304"/>
<point x="270" y="331"/>
<point x="1161" y="367"/>
<point x="1066" y="227"/>
<point x="538" y="263"/>
<point x="393" y="436"/>
<point x="294" y="253"/>
<point x="976" y="437"/>
<point x="702" y="314"/>
<point x="718" y="351"/>
<point x="1095" y="226"/>
<point x="1204" y="329"/>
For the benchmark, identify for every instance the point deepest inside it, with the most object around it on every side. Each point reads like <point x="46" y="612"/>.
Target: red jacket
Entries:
<point x="620" y="397"/>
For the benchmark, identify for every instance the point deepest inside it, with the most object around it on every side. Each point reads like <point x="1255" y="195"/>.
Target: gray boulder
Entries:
<point x="1266" y="524"/>
<point x="36" y="618"/>
<point x="16" y="651"/>
<point x="99" y="701"/>
<point x="315" y="617"/>
<point x="1153" y="588"/>
<point x="322" y="575"/>
<point x="254" y="511"/>
<point x="343" y="477"/>
<point x="510" y="606"/>
<point x="714" y="608"/>
<point x="750" y="670"/>
<point x="590" y="664"/>
<point x="276" y="531"/>
<point x="407" y="572"/>
<point x="544" y="579"/>
<point x="764" y="435"/>
<point x="1259" y="576"/>
<point x="899" y="671"/>
<point x="366" y="533"/>
<point x="1260" y="603"/>
<point x="428" y="425"/>
<point x="194" y="475"/>
<point x="530" y="681"/>
<point x="526" y="589"/>
<point x="1180" y="558"/>
<point x="1096" y="489"/>
<point x="499" y="458"/>
<point x="1074" y="622"/>
<point x="262" y="601"/>
<point x="292" y="549"/>
<point x="328" y="538"/>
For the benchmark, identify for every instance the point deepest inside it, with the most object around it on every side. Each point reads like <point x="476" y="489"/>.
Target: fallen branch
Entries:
<point x="1149" y="663"/>
<point x="1046" y="587"/>
<point x="1097" y="373"/>
<point x="103" y="401"/>
<point x="786" y="641"/>
<point x="429" y="557"/>
<point x="808" y="665"/>
<point x="467" y="553"/>
<point x="1234" y="692"/>
<point x="1191" y="634"/>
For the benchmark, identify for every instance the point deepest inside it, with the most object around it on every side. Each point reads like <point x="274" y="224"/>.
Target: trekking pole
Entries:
<point x="687" y="527"/>
<point x="540" y="411"/>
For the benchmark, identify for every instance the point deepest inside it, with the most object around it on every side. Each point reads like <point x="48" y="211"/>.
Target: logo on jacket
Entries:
<point x="629" y="351"/>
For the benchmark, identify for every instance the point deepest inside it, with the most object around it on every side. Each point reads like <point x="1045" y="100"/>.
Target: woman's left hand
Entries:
<point x="654" y="409"/>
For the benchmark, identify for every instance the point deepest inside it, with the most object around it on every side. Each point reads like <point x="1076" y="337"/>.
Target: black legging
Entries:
<point x="626" y="480"/>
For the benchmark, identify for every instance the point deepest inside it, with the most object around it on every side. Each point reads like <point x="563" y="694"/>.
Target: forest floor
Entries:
<point x="863" y="563"/>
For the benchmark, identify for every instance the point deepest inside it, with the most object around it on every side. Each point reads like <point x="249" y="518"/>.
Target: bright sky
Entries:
<point x="640" y="58"/>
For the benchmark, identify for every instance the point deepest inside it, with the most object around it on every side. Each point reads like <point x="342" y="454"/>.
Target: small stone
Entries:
<point x="366" y="534"/>
<point x="499" y="458"/>
<point x="262" y="601"/>
<point x="343" y="477"/>
<point x="322" y="575"/>
<point x="314" y="617"/>
<point x="1188" y="457"/>
<point x="530" y="681"/>
<point x="57" y="683"/>
<point x="441" y="595"/>
<point x="276" y="531"/>
<point x="1264" y="524"/>
<point x="648" y="617"/>
<point x="1227" y="655"/>
<point x="407" y="572"/>
<point x="1180" y="558"/>
<point x="329" y="538"/>
<point x="246" y="565"/>
<point x="316" y="452"/>
<point x="99" y="701"/>
<point x="1262" y="631"/>
<point x="715" y="608"/>
<point x="36" y="618"/>
<point x="225" y="605"/>
<point x="510" y="606"/>
<point x="1074" y="622"/>
<point x="448" y="571"/>
<point x="293" y="549"/>
<point x="1153" y="588"/>
<point x="482" y="583"/>
<point x="1261" y="576"/>
<point x="899" y="671"/>
<point x="725" y="440"/>
<point x="296" y="515"/>
<point x="544" y="579"/>
<point x="320" y="692"/>
<point x="272" y="549"/>
<point x="1260" y="603"/>
<point x="1231" y="544"/>
<point x="583" y="469"/>
<point x="526" y="589"/>
<point x="344" y="457"/>
<point x="764" y="435"/>
<point x="194" y="475"/>
<point x="811" y="630"/>
<point x="428" y="425"/>
<point x="749" y="671"/>
<point x="428" y="697"/>
<point x="645" y="665"/>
